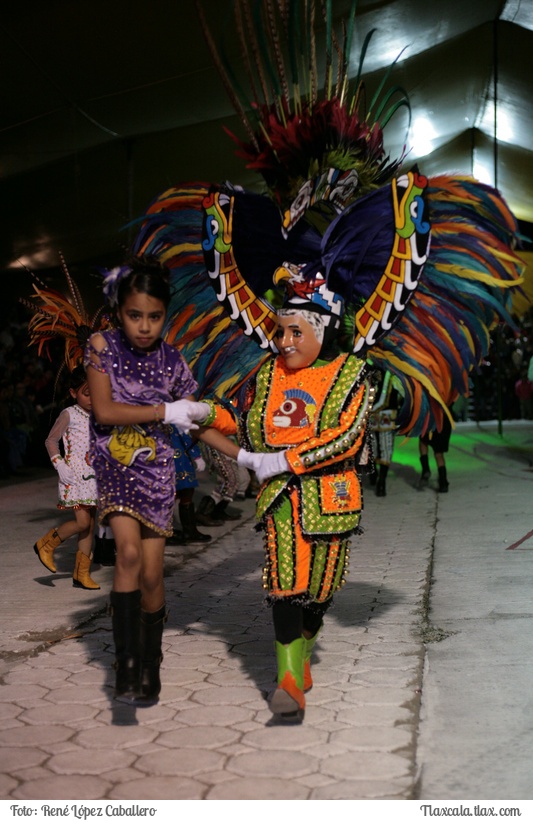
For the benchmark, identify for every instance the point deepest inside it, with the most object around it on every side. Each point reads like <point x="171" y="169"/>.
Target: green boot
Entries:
<point x="288" y="700"/>
<point x="309" y="644"/>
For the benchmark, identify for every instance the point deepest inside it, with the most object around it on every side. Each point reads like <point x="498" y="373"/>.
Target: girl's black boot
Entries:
<point x="126" y="618"/>
<point x="152" y="624"/>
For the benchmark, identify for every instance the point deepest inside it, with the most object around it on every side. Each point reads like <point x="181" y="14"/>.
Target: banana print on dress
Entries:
<point x="128" y="442"/>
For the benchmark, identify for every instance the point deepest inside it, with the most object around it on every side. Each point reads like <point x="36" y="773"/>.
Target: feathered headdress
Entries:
<point x="59" y="317"/>
<point x="310" y="134"/>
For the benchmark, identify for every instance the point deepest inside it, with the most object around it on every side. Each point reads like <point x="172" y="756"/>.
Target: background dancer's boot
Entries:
<point x="205" y="514"/>
<point x="443" y="479"/>
<point x="188" y="522"/>
<point x="126" y="617"/>
<point x="224" y="512"/>
<point x="152" y="624"/>
<point x="104" y="550"/>
<point x="424" y="477"/>
<point x="81" y="576"/>
<point x="44" y="548"/>
<point x="381" y="489"/>
<point x="288" y="700"/>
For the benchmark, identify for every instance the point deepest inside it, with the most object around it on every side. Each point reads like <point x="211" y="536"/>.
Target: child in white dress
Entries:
<point x="77" y="482"/>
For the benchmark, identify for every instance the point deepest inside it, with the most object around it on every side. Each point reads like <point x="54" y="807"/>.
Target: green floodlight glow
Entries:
<point x="470" y="449"/>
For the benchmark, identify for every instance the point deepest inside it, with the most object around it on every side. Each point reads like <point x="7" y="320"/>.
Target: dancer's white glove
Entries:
<point x="65" y="472"/>
<point x="199" y="464"/>
<point x="264" y="464"/>
<point x="186" y="414"/>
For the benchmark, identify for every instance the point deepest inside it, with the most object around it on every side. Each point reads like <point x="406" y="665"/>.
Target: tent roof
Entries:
<point x="108" y="103"/>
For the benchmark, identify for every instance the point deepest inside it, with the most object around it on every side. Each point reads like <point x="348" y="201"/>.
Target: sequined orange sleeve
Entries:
<point x="337" y="443"/>
<point x="220" y="419"/>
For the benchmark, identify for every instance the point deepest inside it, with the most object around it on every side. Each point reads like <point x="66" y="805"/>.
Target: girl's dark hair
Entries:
<point x="148" y="276"/>
<point x="77" y="378"/>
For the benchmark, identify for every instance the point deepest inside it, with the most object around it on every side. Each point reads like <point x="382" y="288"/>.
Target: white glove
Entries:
<point x="65" y="472"/>
<point x="251" y="460"/>
<point x="200" y="464"/>
<point x="183" y="414"/>
<point x="264" y="464"/>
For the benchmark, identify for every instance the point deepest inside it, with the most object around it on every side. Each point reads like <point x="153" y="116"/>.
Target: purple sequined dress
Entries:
<point x="134" y="464"/>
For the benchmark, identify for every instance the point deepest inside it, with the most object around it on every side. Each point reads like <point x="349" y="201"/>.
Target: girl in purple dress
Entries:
<point x="138" y="385"/>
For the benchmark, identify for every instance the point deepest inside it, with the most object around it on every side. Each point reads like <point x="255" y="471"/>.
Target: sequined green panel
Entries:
<point x="346" y="380"/>
<point x="285" y="545"/>
<point x="268" y="494"/>
<point x="255" y="419"/>
<point x="320" y="555"/>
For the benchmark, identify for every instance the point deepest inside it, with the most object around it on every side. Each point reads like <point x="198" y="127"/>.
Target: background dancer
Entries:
<point x="77" y="483"/>
<point x="383" y="429"/>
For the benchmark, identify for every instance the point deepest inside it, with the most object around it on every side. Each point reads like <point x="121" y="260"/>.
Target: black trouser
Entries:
<point x="290" y="620"/>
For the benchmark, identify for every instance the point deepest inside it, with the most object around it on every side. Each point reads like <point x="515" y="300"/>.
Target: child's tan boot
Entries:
<point x="44" y="549"/>
<point x="81" y="577"/>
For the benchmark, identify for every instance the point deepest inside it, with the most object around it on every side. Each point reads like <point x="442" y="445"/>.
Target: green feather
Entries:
<point x="382" y="84"/>
<point x="383" y="120"/>
<point x="349" y="35"/>
<point x="264" y="48"/>
<point x="363" y="55"/>
<point x="392" y="111"/>
<point x="329" y="46"/>
<point x="295" y="45"/>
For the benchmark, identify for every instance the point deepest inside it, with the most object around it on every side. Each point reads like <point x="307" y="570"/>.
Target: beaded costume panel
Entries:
<point x="318" y="415"/>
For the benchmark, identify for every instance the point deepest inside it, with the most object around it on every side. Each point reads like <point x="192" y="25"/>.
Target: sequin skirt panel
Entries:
<point x="144" y="491"/>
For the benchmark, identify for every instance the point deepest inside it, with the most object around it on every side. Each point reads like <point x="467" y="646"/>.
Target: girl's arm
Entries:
<point x="107" y="411"/>
<point x="63" y="469"/>
<point x="214" y="438"/>
<point x="215" y="427"/>
<point x="115" y="413"/>
<point x="56" y="433"/>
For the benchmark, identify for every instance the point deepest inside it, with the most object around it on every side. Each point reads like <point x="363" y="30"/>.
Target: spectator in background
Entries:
<point x="187" y="461"/>
<point x="524" y="392"/>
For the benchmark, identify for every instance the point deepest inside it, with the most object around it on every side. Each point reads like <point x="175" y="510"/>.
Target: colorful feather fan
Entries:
<point x="464" y="292"/>
<point x="215" y="348"/>
<point x="426" y="266"/>
<point x="57" y="316"/>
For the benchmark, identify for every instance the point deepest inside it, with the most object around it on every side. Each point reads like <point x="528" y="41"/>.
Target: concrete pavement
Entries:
<point x="421" y="672"/>
<point x="476" y="731"/>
